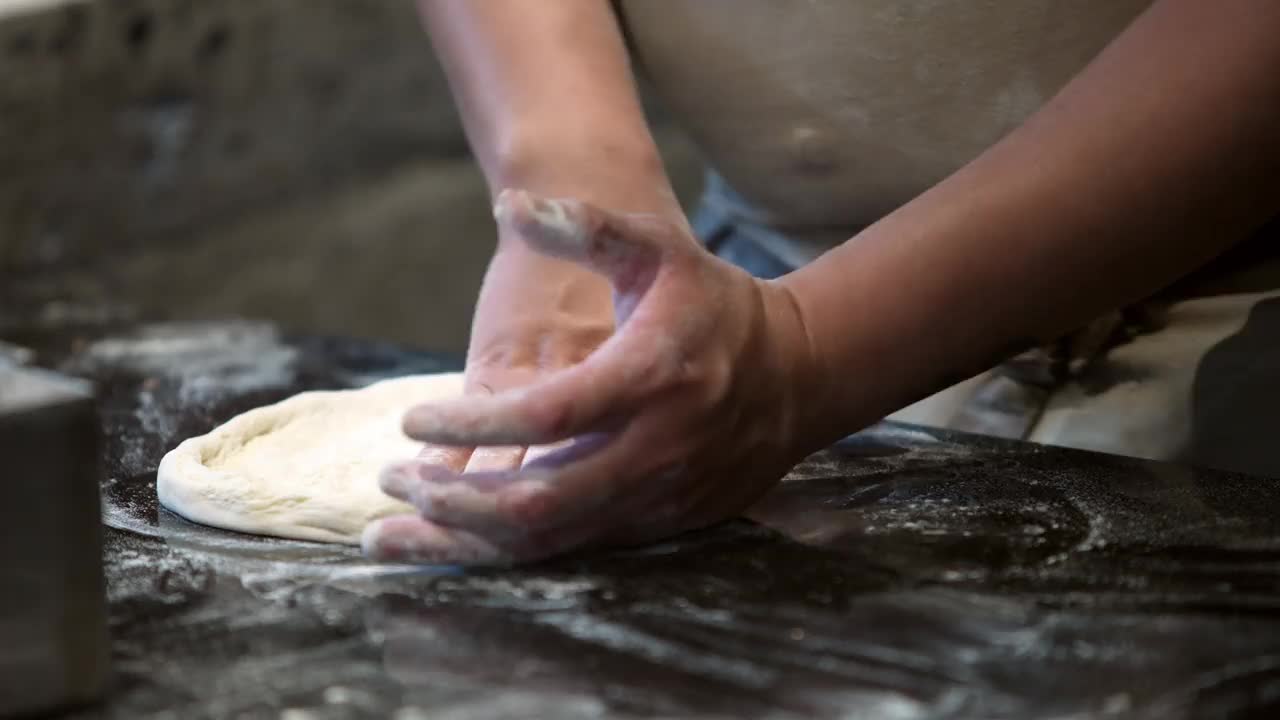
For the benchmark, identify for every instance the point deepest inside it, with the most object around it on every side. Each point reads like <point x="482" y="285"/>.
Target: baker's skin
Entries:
<point x="1159" y="155"/>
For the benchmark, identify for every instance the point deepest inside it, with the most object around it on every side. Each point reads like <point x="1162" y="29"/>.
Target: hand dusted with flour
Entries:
<point x="705" y="358"/>
<point x="1090" y="193"/>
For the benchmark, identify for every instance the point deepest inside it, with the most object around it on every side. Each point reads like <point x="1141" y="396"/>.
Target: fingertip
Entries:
<point x="506" y="203"/>
<point x="409" y="539"/>
<point x="374" y="541"/>
<point x="416" y="483"/>
<point x="403" y="538"/>
<point x="422" y="422"/>
<point x="371" y="540"/>
<point x="454" y="424"/>
<point x="397" y="480"/>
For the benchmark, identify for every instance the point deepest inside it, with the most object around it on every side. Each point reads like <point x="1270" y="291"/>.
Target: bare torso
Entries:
<point x="827" y="114"/>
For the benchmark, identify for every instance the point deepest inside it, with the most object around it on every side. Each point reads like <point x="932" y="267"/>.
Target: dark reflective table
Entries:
<point x="901" y="574"/>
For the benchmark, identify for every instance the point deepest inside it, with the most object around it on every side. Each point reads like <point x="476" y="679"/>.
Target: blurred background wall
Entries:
<point x="293" y="160"/>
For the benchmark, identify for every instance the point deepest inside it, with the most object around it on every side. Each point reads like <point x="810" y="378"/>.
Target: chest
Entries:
<point x="835" y="111"/>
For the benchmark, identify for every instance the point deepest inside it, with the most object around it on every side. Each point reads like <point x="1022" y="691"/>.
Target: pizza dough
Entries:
<point x="304" y="468"/>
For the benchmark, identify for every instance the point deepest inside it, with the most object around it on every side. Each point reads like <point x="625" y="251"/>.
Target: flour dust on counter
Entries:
<point x="902" y="573"/>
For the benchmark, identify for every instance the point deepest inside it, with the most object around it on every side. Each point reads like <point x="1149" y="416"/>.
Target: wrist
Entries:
<point x="854" y="369"/>
<point x="621" y="172"/>
<point x="810" y="418"/>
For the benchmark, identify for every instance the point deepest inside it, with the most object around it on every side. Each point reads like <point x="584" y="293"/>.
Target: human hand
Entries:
<point x="534" y="315"/>
<point x="523" y="348"/>
<point x="696" y="406"/>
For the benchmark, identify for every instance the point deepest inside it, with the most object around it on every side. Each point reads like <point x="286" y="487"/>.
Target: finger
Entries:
<point x="600" y="392"/>
<point x="462" y="508"/>
<point x="487" y="459"/>
<point x="400" y="480"/>
<point x="410" y="539"/>
<point x="688" y="500"/>
<point x="666" y="499"/>
<point x="445" y="455"/>
<point x="405" y="480"/>
<point x="537" y="452"/>
<point x="397" y="479"/>
<point x="627" y="249"/>
<point x="611" y="383"/>
<point x="569" y="488"/>
<point x="659" y="507"/>
<point x="468" y="499"/>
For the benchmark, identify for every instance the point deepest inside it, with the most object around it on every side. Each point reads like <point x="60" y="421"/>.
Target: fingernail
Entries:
<point x="396" y="479"/>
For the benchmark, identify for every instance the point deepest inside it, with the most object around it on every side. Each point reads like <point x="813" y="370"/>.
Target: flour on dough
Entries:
<point x="304" y="468"/>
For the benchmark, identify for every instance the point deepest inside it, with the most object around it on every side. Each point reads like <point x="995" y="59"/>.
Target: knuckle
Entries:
<point x="529" y="508"/>
<point x="660" y="368"/>
<point x="549" y="419"/>
<point x="716" y="380"/>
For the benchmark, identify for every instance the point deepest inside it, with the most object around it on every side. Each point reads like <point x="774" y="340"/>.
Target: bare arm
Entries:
<point x="1161" y="154"/>
<point x="548" y="100"/>
<point x="1157" y="157"/>
<point x="549" y="104"/>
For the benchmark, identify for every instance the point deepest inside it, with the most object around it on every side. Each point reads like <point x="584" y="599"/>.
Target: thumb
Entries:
<point x="626" y="249"/>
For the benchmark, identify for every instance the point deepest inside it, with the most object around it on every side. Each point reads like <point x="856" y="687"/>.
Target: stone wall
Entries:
<point x="135" y="119"/>
<point x="298" y="160"/>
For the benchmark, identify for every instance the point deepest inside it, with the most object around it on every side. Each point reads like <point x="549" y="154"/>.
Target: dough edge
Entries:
<point x="182" y="472"/>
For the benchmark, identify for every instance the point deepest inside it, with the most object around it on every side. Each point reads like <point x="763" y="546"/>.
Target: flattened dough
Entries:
<point x="305" y="468"/>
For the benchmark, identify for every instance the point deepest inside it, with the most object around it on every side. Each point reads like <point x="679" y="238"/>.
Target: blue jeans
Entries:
<point x="719" y="232"/>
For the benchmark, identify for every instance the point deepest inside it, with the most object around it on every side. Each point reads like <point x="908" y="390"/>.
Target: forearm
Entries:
<point x="547" y="97"/>
<point x="1154" y="159"/>
<point x="549" y="105"/>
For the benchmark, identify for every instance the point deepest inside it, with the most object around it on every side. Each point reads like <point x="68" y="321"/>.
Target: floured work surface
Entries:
<point x="902" y="575"/>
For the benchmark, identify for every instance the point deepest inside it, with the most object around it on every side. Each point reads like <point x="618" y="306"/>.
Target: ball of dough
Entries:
<point x="304" y="468"/>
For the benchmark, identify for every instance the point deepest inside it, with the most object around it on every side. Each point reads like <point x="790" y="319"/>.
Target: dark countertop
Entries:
<point x="902" y="574"/>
